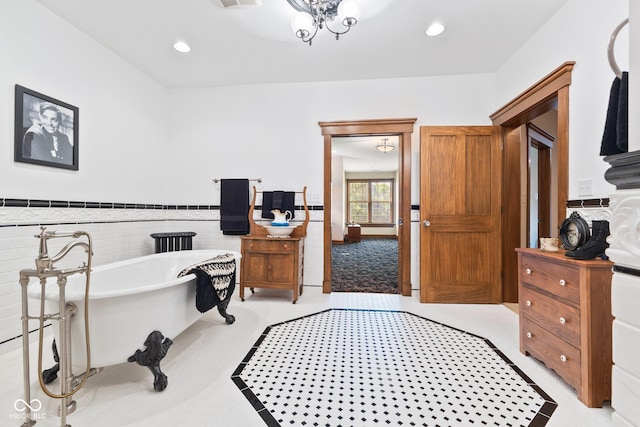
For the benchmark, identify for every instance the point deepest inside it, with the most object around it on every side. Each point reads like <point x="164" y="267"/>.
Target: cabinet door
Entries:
<point x="281" y="268"/>
<point x="254" y="267"/>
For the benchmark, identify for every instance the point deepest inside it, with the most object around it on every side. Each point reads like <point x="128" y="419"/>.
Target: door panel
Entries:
<point x="461" y="201"/>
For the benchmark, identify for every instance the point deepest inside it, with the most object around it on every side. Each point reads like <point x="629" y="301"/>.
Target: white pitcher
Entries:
<point x="281" y="217"/>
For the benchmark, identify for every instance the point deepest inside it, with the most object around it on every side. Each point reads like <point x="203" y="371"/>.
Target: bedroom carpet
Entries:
<point x="370" y="265"/>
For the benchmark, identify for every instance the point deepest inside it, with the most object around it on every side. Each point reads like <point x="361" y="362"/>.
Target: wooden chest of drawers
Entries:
<point x="275" y="263"/>
<point x="565" y="319"/>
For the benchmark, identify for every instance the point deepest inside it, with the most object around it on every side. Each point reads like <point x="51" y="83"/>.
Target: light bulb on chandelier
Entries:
<point x="315" y="15"/>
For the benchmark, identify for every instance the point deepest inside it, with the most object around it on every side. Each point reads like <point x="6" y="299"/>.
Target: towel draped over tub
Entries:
<point x="215" y="279"/>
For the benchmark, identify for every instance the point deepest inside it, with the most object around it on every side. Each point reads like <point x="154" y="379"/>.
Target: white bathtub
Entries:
<point x="127" y="301"/>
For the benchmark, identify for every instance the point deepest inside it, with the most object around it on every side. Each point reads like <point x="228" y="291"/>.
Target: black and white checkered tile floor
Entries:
<point x="343" y="367"/>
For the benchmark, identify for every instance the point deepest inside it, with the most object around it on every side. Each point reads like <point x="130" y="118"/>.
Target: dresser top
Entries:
<point x="272" y="239"/>
<point x="561" y="257"/>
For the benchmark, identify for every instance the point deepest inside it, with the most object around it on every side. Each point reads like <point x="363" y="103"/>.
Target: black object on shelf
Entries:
<point x="169" y="242"/>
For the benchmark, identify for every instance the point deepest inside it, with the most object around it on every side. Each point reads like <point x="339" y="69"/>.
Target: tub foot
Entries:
<point x="157" y="347"/>
<point x="48" y="375"/>
<point x="222" y="306"/>
<point x="222" y="309"/>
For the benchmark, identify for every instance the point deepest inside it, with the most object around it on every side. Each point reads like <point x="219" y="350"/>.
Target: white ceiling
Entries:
<point x="359" y="153"/>
<point x="252" y="45"/>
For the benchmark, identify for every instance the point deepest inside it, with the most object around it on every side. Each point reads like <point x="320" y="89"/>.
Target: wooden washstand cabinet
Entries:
<point x="273" y="262"/>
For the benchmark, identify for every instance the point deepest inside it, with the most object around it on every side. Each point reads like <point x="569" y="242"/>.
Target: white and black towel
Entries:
<point x="215" y="278"/>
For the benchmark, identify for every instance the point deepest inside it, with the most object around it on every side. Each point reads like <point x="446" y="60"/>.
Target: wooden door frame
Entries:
<point x="404" y="129"/>
<point x="538" y="99"/>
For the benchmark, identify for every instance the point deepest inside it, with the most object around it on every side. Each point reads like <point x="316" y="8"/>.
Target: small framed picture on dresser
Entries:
<point x="46" y="130"/>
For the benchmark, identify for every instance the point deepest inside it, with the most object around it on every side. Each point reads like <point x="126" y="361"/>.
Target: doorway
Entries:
<point x="364" y="209"/>
<point x="402" y="129"/>
<point x="549" y="94"/>
<point x="541" y="178"/>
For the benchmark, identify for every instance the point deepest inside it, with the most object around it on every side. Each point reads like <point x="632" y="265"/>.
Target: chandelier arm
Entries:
<point x="339" y="33"/>
<point x="309" y="37"/>
<point x="322" y="12"/>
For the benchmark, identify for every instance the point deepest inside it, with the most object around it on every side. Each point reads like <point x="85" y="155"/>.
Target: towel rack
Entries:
<point x="217" y="180"/>
<point x="611" y="53"/>
<point x="297" y="192"/>
<point x="259" y="230"/>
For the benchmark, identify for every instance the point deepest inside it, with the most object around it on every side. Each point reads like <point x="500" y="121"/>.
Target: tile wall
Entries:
<point x="121" y="231"/>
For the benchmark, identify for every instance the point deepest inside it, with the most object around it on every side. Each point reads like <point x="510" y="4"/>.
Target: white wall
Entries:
<point x="123" y="113"/>
<point x="580" y="32"/>
<point x="272" y="132"/>
<point x="123" y="137"/>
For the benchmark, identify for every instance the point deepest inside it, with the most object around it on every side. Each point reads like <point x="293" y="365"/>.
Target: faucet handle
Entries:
<point x="43" y="236"/>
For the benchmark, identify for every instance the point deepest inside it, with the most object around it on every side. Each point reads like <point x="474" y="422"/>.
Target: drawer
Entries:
<point x="558" y="318"/>
<point x="557" y="279"/>
<point x="556" y="354"/>
<point x="271" y="245"/>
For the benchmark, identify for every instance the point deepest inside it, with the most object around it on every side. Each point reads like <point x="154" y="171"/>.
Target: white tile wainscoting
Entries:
<point x="118" y="233"/>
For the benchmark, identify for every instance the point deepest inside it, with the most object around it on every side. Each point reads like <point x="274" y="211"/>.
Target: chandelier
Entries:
<point x="314" y="15"/>
<point x="384" y="146"/>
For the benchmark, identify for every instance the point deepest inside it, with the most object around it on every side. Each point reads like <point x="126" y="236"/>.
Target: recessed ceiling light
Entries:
<point x="435" y="29"/>
<point x="181" y="46"/>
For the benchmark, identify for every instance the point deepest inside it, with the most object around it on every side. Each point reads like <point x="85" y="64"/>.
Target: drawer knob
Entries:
<point x="563" y="358"/>
<point x="285" y="246"/>
<point x="529" y="335"/>
<point x="528" y="303"/>
<point x="563" y="320"/>
<point x="563" y="282"/>
<point x="528" y="271"/>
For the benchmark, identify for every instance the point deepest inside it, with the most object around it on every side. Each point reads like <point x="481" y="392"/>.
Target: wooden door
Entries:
<point x="460" y="211"/>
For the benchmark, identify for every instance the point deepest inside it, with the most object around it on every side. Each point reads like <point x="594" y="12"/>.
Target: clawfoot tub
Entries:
<point x="129" y="301"/>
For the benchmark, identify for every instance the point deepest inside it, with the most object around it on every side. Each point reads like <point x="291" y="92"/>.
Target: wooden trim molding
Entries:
<point x="551" y="92"/>
<point x="367" y="127"/>
<point x="404" y="129"/>
<point x="538" y="97"/>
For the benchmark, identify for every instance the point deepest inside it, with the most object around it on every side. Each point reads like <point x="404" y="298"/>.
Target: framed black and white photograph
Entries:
<point x="46" y="130"/>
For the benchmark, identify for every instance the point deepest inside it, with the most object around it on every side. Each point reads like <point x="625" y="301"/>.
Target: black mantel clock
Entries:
<point x="574" y="232"/>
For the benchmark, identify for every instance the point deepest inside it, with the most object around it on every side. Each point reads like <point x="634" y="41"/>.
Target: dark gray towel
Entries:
<point x="281" y="200"/>
<point x="234" y="206"/>
<point x="215" y="279"/>
<point x="615" y="139"/>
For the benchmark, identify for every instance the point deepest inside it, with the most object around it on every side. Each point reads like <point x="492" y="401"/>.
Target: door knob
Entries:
<point x="426" y="223"/>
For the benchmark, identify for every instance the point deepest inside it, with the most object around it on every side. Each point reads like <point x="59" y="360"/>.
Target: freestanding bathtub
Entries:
<point x="127" y="301"/>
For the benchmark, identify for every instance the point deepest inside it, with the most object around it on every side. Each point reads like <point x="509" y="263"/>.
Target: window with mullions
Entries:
<point x="370" y="201"/>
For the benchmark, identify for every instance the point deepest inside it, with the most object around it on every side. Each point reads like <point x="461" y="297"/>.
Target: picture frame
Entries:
<point x="46" y="130"/>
